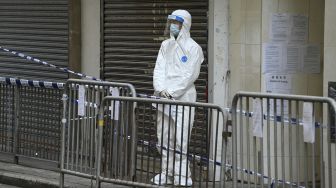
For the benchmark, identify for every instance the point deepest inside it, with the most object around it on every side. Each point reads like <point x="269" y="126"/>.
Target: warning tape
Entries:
<point x="31" y="83"/>
<point x="32" y="59"/>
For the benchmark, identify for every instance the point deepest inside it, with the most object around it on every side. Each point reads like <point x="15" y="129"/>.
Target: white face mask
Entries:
<point x="174" y="29"/>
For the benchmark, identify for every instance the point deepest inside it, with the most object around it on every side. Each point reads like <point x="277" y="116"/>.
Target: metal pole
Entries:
<point x="16" y="122"/>
<point x="64" y="122"/>
<point x="99" y="143"/>
<point x="234" y="139"/>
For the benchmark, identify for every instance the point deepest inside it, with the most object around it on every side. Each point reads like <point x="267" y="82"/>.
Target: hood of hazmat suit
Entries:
<point x="178" y="62"/>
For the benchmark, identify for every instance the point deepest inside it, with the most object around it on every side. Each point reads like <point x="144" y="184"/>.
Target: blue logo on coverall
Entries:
<point x="184" y="59"/>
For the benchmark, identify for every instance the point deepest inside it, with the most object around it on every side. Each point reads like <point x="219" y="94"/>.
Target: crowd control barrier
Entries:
<point x="30" y="113"/>
<point x="283" y="141"/>
<point x="125" y="160"/>
<point x="81" y="101"/>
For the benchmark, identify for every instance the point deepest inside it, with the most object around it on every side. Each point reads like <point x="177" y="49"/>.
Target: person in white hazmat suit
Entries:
<point x="177" y="67"/>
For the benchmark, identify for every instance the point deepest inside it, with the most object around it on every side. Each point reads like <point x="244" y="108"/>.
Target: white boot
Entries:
<point x="164" y="180"/>
<point x="185" y="181"/>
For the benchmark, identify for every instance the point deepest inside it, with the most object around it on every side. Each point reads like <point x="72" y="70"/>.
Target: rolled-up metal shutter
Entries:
<point x="132" y="32"/>
<point x="36" y="28"/>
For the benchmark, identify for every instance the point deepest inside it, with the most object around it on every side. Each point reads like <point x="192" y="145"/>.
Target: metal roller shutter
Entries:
<point x="132" y="32"/>
<point x="36" y="28"/>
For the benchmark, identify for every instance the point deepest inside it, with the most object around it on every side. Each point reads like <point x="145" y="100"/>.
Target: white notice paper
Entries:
<point x="280" y="27"/>
<point x="311" y="59"/>
<point x="289" y="28"/>
<point x="298" y="29"/>
<point x="308" y="123"/>
<point x="292" y="58"/>
<point x="278" y="83"/>
<point x="257" y="119"/>
<point x="272" y="58"/>
<point x="281" y="84"/>
<point x="114" y="108"/>
<point x="81" y="100"/>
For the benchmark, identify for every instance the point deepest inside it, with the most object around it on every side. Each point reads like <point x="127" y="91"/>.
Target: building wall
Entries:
<point x="249" y="25"/>
<point x="245" y="45"/>
<point x="330" y="44"/>
<point x="91" y="37"/>
<point x="304" y="84"/>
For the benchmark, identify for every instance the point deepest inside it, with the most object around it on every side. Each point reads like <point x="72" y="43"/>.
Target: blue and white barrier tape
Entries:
<point x="32" y="59"/>
<point x="207" y="160"/>
<point x="293" y="121"/>
<point x="58" y="85"/>
<point x="32" y="83"/>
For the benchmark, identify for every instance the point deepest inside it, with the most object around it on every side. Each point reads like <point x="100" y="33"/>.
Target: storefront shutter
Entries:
<point x="36" y="28"/>
<point x="132" y="32"/>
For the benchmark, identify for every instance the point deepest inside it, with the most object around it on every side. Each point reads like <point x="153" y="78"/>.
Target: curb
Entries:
<point x="22" y="181"/>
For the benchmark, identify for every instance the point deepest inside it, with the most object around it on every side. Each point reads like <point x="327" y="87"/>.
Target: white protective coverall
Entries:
<point x="177" y="67"/>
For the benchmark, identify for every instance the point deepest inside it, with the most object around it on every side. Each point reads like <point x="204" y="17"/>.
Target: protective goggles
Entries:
<point x="177" y="18"/>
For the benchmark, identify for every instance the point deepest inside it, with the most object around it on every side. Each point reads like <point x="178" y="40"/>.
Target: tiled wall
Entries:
<point x="329" y="44"/>
<point x="245" y="45"/>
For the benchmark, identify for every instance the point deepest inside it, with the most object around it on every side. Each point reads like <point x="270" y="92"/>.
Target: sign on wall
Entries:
<point x="291" y="58"/>
<point x="290" y="28"/>
<point x="288" y="51"/>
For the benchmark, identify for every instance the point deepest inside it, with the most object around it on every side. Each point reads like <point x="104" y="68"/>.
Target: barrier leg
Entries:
<point x="61" y="183"/>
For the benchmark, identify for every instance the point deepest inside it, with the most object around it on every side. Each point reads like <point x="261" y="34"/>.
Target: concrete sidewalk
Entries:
<point x="27" y="177"/>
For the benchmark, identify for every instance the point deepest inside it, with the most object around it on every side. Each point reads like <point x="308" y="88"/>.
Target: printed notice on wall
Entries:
<point x="292" y="58"/>
<point x="298" y="29"/>
<point x="311" y="59"/>
<point x="291" y="28"/>
<point x="283" y="58"/>
<point x="280" y="27"/>
<point x="280" y="84"/>
<point x="272" y="57"/>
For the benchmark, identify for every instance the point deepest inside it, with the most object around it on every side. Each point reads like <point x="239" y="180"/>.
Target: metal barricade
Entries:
<point x="282" y="141"/>
<point x="81" y="101"/>
<point x="30" y="115"/>
<point x="128" y="149"/>
<point x="7" y="117"/>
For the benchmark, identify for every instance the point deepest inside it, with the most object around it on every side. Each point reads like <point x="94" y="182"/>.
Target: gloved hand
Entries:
<point x="165" y="94"/>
